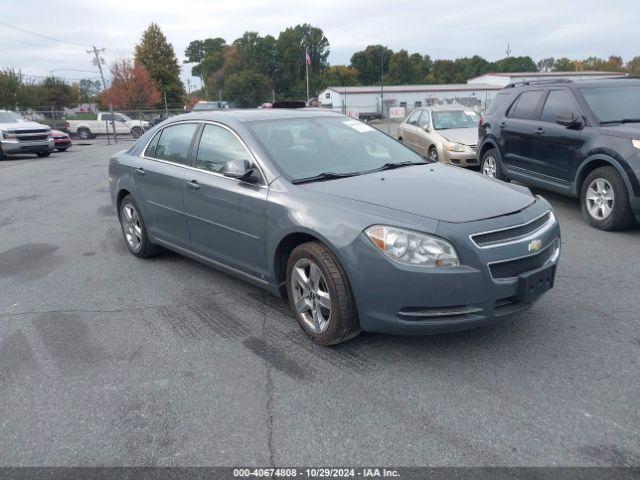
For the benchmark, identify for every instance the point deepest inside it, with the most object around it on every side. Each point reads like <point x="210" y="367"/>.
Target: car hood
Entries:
<point x="467" y="136"/>
<point x="625" y="130"/>
<point x="435" y="191"/>
<point x="23" y="126"/>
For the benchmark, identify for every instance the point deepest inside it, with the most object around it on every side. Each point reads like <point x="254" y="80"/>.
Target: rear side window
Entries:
<point x="174" y="143"/>
<point x="497" y="103"/>
<point x="558" y="101"/>
<point x="151" y="148"/>
<point x="526" y="106"/>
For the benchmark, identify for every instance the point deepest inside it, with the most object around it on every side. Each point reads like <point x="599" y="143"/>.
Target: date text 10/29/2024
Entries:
<point x="316" y="472"/>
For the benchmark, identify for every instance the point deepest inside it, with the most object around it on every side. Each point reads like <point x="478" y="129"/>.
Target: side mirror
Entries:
<point x="238" y="169"/>
<point x="427" y="127"/>
<point x="569" y="120"/>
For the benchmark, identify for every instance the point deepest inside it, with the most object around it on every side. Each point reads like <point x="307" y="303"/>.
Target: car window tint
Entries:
<point x="497" y="102"/>
<point x="558" y="101"/>
<point x="424" y="119"/>
<point x="413" y="119"/>
<point x="526" y="106"/>
<point x="174" y="142"/>
<point x="218" y="146"/>
<point x="151" y="148"/>
<point x="107" y="117"/>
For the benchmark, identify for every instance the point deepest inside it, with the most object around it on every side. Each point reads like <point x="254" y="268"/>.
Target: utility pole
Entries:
<point x="166" y="108"/>
<point x="98" y="61"/>
<point x="306" y="64"/>
<point x="382" y="82"/>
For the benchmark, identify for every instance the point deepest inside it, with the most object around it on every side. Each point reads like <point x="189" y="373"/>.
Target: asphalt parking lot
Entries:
<point x="106" y="359"/>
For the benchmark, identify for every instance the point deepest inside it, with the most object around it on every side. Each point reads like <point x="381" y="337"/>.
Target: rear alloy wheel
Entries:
<point x="320" y="295"/>
<point x="136" y="132"/>
<point x="605" y="200"/>
<point x="134" y="231"/>
<point x="490" y="164"/>
<point x="84" y="133"/>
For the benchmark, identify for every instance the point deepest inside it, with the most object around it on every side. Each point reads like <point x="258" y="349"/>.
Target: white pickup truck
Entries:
<point x="86" y="129"/>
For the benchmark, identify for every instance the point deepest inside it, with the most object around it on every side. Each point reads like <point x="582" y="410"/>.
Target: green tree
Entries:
<point x="247" y="88"/>
<point x="339" y="76"/>
<point x="88" y="90"/>
<point x="515" y="64"/>
<point x="564" y="65"/>
<point x="57" y="93"/>
<point x="157" y="56"/>
<point x="289" y="74"/>
<point x="469" y="67"/>
<point x="546" y="64"/>
<point x="633" y="66"/>
<point x="420" y="67"/>
<point x="400" y="69"/>
<point x="11" y="82"/>
<point x="445" y="71"/>
<point x="370" y="63"/>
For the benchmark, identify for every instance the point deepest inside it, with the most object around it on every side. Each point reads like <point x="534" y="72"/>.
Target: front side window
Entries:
<point x="526" y="106"/>
<point x="424" y="119"/>
<point x="558" y="101"/>
<point x="448" y="119"/>
<point x="218" y="146"/>
<point x="174" y="142"/>
<point x="614" y="104"/>
<point x="310" y="146"/>
<point x="413" y="118"/>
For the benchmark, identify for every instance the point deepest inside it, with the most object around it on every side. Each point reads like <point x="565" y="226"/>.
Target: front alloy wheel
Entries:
<point x="489" y="167"/>
<point x="605" y="200"/>
<point x="310" y="295"/>
<point x="600" y="199"/>
<point x="320" y="295"/>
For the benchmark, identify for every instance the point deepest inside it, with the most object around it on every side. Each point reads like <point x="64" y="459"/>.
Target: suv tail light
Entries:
<point x="481" y="121"/>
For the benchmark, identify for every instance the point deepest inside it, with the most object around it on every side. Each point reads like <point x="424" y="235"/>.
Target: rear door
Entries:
<point x="555" y="147"/>
<point x="410" y="130"/>
<point x="159" y="182"/>
<point x="226" y="217"/>
<point x="517" y="130"/>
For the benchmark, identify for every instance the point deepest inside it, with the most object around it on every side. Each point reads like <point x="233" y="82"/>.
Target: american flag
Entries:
<point x="308" y="57"/>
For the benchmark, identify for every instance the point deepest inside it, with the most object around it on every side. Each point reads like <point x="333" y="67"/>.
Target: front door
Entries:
<point x="159" y="180"/>
<point x="226" y="217"/>
<point x="555" y="147"/>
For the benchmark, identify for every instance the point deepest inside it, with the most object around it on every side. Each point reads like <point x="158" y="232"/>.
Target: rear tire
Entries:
<point x="328" y="286"/>
<point x="2" y="155"/>
<point x="62" y="149"/>
<point x="43" y="154"/>
<point x="491" y="164"/>
<point x="134" y="230"/>
<point x="605" y="200"/>
<point x="433" y="154"/>
<point x="136" y="132"/>
<point x="84" y="133"/>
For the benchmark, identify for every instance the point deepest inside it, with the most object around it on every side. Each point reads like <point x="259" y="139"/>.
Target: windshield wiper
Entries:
<point x="324" y="176"/>
<point x="391" y="166"/>
<point x="623" y="120"/>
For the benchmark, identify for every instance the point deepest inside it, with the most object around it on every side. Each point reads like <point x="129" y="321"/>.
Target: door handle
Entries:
<point x="140" y="171"/>
<point x="193" y="185"/>
<point x="539" y="131"/>
<point x="502" y="124"/>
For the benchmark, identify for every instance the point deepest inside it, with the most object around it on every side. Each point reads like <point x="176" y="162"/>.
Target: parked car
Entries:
<point x="19" y="136"/>
<point x="580" y="139"/>
<point x="447" y="134"/>
<point x="358" y="231"/>
<point x="61" y="140"/>
<point x="86" y="129"/>
<point x="203" y="106"/>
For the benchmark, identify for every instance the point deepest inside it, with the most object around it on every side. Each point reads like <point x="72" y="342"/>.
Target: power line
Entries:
<point x="43" y="36"/>
<point x="25" y="42"/>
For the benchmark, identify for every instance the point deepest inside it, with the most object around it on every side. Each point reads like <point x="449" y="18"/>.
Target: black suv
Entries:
<point x="580" y="139"/>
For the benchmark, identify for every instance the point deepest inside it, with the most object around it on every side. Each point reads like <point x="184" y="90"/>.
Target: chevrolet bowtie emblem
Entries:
<point x="535" y="245"/>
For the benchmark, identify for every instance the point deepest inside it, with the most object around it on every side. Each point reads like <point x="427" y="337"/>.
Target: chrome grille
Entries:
<point x="510" y="234"/>
<point x="513" y="268"/>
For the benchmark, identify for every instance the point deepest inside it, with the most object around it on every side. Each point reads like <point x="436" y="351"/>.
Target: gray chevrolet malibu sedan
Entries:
<point x="355" y="229"/>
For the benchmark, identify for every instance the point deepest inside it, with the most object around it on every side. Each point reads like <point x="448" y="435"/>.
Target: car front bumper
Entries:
<point x="402" y="299"/>
<point x="15" y="147"/>
<point x="467" y="158"/>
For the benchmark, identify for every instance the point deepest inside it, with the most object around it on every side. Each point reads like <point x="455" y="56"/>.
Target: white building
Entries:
<point x="504" y="79"/>
<point x="476" y="93"/>
<point x="367" y="100"/>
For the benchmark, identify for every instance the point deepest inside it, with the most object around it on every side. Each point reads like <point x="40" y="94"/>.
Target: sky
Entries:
<point x="440" y="28"/>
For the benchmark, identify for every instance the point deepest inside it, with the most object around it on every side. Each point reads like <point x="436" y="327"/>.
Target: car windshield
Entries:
<point x="613" y="104"/>
<point x="446" y="119"/>
<point x="307" y="147"/>
<point x="10" y="117"/>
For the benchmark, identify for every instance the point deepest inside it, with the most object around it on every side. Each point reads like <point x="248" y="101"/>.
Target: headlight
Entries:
<point x="413" y="248"/>
<point x="636" y="143"/>
<point x="454" y="147"/>
<point x="8" y="135"/>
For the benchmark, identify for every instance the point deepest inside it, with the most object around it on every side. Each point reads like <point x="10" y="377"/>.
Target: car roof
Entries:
<point x="604" y="82"/>
<point x="251" y="115"/>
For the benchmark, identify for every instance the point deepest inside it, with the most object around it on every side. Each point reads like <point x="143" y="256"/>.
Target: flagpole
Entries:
<point x="306" y="64"/>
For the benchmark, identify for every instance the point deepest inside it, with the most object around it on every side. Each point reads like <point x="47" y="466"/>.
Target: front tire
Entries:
<point x="62" y="149"/>
<point x="433" y="154"/>
<point x="136" y="132"/>
<point x="320" y="295"/>
<point x="134" y="230"/>
<point x="43" y="154"/>
<point x="605" y="200"/>
<point x="491" y="164"/>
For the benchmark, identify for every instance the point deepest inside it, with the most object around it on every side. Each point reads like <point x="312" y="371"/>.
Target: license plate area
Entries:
<point x="533" y="284"/>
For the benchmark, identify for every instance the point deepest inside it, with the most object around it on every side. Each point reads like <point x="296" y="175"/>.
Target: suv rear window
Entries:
<point x="497" y="102"/>
<point x="526" y="106"/>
